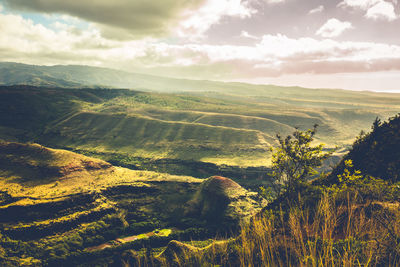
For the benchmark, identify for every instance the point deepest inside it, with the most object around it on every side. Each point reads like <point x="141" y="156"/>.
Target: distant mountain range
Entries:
<point x="87" y="76"/>
<point x="75" y="76"/>
<point x="67" y="76"/>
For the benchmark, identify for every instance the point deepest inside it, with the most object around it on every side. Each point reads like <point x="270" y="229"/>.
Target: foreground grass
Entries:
<point x="343" y="235"/>
<point x="338" y="231"/>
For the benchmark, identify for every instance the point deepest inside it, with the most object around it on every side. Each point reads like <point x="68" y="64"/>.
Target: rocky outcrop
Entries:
<point x="224" y="202"/>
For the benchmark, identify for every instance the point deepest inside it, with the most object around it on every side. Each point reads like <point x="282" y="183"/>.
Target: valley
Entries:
<point x="199" y="133"/>
<point x="206" y="127"/>
<point x="93" y="175"/>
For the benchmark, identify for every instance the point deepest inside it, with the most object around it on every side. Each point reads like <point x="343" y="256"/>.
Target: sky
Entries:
<point x="349" y="44"/>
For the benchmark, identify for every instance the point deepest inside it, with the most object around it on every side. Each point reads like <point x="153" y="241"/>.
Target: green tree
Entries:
<point x="295" y="159"/>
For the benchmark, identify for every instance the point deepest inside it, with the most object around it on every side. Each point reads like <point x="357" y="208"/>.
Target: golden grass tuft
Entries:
<point x="334" y="233"/>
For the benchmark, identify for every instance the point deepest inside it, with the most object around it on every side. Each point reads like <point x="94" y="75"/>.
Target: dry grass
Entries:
<point x="345" y="234"/>
<point x="334" y="233"/>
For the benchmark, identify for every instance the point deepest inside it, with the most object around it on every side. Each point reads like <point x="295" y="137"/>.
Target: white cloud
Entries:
<point x="318" y="9"/>
<point x="363" y="4"/>
<point x="275" y="1"/>
<point x="333" y="28"/>
<point x="197" y="22"/>
<point x="381" y="10"/>
<point x="24" y="41"/>
<point x="374" y="9"/>
<point x="274" y="55"/>
<point x="245" y="34"/>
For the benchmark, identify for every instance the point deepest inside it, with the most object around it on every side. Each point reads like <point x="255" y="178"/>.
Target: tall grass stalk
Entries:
<point x="338" y="231"/>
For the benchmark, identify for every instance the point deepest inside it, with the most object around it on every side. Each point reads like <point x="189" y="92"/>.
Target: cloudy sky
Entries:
<point x="350" y="44"/>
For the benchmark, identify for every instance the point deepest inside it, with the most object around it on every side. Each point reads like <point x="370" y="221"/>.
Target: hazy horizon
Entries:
<point x="343" y="44"/>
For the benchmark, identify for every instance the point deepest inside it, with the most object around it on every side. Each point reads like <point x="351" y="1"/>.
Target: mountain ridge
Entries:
<point x="74" y="76"/>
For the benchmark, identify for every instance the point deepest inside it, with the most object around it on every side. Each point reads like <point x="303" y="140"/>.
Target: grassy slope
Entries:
<point x="61" y="202"/>
<point x="211" y="127"/>
<point x="347" y="222"/>
<point x="337" y="125"/>
<point x="152" y="124"/>
<point x="35" y="173"/>
<point x="157" y="138"/>
<point x="59" y="206"/>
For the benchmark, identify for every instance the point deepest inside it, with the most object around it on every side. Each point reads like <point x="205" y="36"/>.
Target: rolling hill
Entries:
<point x="204" y="127"/>
<point x="115" y="166"/>
<point x="59" y="207"/>
<point x="177" y="126"/>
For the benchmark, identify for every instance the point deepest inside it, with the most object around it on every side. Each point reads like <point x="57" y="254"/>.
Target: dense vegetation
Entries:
<point x="133" y="178"/>
<point x="378" y="152"/>
<point x="206" y="127"/>
<point x="117" y="216"/>
<point x="351" y="221"/>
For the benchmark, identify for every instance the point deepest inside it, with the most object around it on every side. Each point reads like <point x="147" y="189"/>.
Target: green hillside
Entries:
<point x="209" y="127"/>
<point x="376" y="153"/>
<point x="59" y="207"/>
<point x="96" y="175"/>
<point x="203" y="121"/>
<point x="352" y="220"/>
<point x="129" y="133"/>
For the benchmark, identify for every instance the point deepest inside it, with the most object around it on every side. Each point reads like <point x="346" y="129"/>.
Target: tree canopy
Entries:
<point x="295" y="159"/>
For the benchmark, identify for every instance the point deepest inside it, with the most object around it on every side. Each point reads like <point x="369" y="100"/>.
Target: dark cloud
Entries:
<point x="116" y="17"/>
